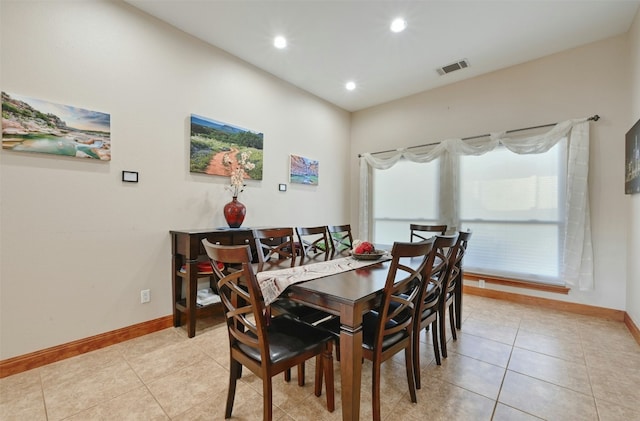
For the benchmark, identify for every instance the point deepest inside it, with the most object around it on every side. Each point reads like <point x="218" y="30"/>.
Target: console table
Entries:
<point x="187" y="251"/>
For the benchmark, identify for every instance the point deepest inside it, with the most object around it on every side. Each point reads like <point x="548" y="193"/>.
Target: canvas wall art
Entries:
<point x="632" y="160"/>
<point x="303" y="170"/>
<point x="35" y="125"/>
<point x="220" y="149"/>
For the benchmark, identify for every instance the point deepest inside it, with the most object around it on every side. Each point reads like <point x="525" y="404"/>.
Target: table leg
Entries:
<point x="177" y="291"/>
<point x="350" y="370"/>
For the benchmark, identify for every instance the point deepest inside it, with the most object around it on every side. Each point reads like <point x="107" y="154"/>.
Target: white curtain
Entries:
<point x="577" y="254"/>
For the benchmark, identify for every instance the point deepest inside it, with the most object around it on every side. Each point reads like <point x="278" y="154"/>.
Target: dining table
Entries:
<point x="348" y="295"/>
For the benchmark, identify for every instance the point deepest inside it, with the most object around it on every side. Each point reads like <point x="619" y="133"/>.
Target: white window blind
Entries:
<point x="515" y="206"/>
<point x="403" y="194"/>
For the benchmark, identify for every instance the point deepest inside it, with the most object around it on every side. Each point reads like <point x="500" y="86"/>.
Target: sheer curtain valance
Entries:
<point x="577" y="253"/>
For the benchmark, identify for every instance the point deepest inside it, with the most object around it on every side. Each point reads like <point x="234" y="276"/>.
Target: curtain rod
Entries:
<point x="593" y="118"/>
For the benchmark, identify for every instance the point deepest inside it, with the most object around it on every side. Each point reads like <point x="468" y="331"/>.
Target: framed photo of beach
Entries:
<point x="37" y="125"/>
<point x="303" y="170"/>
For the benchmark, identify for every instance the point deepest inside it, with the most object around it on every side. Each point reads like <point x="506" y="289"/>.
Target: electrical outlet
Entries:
<point x="145" y="296"/>
<point x="481" y="283"/>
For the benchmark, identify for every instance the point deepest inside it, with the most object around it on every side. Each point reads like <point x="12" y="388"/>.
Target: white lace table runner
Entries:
<point x="273" y="282"/>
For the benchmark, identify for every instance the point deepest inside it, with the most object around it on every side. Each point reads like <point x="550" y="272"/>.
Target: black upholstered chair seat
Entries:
<point x="369" y="325"/>
<point x="370" y="322"/>
<point x="288" y="338"/>
<point x="298" y="311"/>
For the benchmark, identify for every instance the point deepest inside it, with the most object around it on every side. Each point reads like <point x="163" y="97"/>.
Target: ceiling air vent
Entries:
<point x="453" y="67"/>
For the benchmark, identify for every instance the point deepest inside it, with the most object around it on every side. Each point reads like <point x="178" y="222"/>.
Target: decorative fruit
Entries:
<point x="365" y="247"/>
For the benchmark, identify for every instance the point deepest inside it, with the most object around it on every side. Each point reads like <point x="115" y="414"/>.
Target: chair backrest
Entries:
<point x="275" y="243"/>
<point x="341" y="237"/>
<point x="402" y="287"/>
<point x="436" y="272"/>
<point x="240" y="295"/>
<point x="455" y="260"/>
<point x="314" y="242"/>
<point x="420" y="232"/>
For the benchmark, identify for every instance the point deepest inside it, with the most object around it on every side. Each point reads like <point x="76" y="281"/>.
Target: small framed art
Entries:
<point x="303" y="170"/>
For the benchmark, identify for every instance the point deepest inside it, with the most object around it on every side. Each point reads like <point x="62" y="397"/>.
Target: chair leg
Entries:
<point x="287" y="375"/>
<point x="327" y="366"/>
<point x="317" y="388"/>
<point x="301" y="372"/>
<point x="452" y="322"/>
<point x="267" y="399"/>
<point x="234" y="375"/>
<point x="416" y="355"/>
<point x="408" y="362"/>
<point x="375" y="390"/>
<point x="443" y="333"/>
<point x="436" y="345"/>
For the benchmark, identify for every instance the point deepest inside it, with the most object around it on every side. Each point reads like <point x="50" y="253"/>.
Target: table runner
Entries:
<point x="273" y="282"/>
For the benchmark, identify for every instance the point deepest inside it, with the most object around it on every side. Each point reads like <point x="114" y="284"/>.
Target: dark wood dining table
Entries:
<point x="348" y="295"/>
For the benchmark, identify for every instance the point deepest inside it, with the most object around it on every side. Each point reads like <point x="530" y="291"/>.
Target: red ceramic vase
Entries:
<point x="234" y="213"/>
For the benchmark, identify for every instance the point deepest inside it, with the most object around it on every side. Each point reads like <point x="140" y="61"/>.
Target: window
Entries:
<point x="513" y="203"/>
<point x="515" y="206"/>
<point x="405" y="193"/>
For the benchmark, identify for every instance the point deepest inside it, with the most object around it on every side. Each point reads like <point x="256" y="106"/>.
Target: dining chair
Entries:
<point x="429" y="298"/>
<point x="388" y="329"/>
<point x="276" y="247"/>
<point x="341" y="238"/>
<point x="266" y="349"/>
<point x="420" y="232"/>
<point x="452" y="277"/>
<point x="314" y="243"/>
<point x="275" y="244"/>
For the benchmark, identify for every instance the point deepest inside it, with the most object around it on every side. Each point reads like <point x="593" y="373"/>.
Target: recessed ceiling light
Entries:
<point x="280" y="42"/>
<point x="398" y="25"/>
<point x="350" y="86"/>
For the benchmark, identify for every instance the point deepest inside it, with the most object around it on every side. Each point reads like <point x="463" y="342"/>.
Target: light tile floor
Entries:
<point x="510" y="362"/>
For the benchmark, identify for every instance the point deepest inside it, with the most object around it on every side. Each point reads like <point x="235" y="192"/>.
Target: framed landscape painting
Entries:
<point x="632" y="160"/>
<point x="303" y="170"/>
<point x="220" y="148"/>
<point x="36" y="125"/>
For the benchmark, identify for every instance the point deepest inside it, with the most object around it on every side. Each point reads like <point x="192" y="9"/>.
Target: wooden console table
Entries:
<point x="187" y="251"/>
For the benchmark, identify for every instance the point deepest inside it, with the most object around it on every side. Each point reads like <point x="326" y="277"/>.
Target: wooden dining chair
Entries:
<point x="388" y="329"/>
<point x="264" y="348"/>
<point x="276" y="247"/>
<point x="314" y="243"/>
<point x="422" y="232"/>
<point x="456" y="254"/>
<point x="341" y="238"/>
<point x="275" y="244"/>
<point x="429" y="298"/>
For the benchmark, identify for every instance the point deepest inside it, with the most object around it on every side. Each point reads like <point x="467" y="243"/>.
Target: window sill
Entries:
<point x="517" y="283"/>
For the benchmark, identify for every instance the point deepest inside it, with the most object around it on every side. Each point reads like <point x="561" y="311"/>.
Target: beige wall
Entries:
<point x="633" y="267"/>
<point x="593" y="79"/>
<point x="77" y="244"/>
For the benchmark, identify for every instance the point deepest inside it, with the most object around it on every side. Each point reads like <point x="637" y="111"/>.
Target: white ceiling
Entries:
<point x="334" y="41"/>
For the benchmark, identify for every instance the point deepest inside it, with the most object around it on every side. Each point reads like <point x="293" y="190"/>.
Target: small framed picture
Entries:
<point x="282" y="187"/>
<point x="130" y="176"/>
<point x="303" y="170"/>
